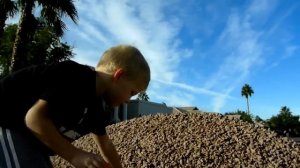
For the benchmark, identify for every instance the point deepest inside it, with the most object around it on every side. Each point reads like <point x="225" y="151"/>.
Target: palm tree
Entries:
<point x="44" y="48"/>
<point x="52" y="11"/>
<point x="8" y="8"/>
<point x="247" y="92"/>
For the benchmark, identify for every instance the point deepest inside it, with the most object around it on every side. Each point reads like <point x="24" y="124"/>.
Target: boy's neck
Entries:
<point x="102" y="82"/>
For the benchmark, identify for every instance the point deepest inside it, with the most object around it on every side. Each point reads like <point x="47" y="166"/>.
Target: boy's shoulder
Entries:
<point x="67" y="67"/>
<point x="75" y="64"/>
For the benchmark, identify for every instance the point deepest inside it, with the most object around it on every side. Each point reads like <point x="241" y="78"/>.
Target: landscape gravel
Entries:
<point x="194" y="140"/>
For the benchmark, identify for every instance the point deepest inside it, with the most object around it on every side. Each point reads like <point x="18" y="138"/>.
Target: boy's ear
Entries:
<point x="118" y="74"/>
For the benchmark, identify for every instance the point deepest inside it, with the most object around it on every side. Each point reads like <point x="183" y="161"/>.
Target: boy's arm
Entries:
<point x="108" y="150"/>
<point x="43" y="128"/>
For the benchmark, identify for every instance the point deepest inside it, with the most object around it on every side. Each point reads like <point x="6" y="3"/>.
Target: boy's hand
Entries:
<point x="88" y="160"/>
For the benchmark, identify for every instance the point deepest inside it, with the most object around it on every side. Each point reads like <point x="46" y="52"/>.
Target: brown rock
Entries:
<point x="195" y="140"/>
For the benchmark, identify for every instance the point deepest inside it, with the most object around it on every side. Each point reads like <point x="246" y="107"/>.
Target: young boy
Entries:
<point x="45" y="108"/>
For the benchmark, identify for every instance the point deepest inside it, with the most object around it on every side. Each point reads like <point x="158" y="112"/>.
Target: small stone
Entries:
<point x="194" y="140"/>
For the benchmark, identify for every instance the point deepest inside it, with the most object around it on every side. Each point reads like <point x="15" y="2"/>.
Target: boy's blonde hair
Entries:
<point x="127" y="57"/>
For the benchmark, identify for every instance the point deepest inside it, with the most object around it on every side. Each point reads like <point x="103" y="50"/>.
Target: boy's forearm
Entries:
<point x="46" y="132"/>
<point x="109" y="153"/>
<point x="43" y="128"/>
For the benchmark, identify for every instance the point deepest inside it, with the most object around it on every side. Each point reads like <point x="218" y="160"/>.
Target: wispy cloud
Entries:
<point x="261" y="8"/>
<point x="156" y="29"/>
<point x="200" y="53"/>
<point x="244" y="42"/>
<point x="174" y="98"/>
<point x="285" y="43"/>
<point x="88" y="57"/>
<point x="142" y="24"/>
<point x="145" y="24"/>
<point x="281" y="18"/>
<point x="288" y="52"/>
<point x="195" y="90"/>
<point x="92" y="35"/>
<point x="242" y="47"/>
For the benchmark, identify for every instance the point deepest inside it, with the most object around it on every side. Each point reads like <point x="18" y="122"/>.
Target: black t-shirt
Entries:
<point x="68" y="87"/>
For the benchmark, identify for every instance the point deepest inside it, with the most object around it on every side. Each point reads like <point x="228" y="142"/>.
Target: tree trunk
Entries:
<point x="19" y="56"/>
<point x="248" y="105"/>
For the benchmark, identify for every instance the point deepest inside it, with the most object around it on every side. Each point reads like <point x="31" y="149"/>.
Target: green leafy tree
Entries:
<point x="258" y="119"/>
<point x="143" y="96"/>
<point x="8" y="8"/>
<point x="244" y="116"/>
<point x="247" y="91"/>
<point x="52" y="12"/>
<point x="285" y="123"/>
<point x="44" y="48"/>
<point x="6" y="48"/>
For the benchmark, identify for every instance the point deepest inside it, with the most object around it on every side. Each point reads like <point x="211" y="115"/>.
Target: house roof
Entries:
<point x="192" y="109"/>
<point x="189" y="108"/>
<point x="185" y="109"/>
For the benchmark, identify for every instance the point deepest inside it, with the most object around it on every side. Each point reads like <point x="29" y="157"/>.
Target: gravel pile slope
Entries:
<point x="195" y="140"/>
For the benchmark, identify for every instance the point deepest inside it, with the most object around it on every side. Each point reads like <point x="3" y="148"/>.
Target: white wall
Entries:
<point x="139" y="108"/>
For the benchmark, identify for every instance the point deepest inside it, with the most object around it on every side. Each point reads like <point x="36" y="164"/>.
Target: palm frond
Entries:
<point x="8" y="6"/>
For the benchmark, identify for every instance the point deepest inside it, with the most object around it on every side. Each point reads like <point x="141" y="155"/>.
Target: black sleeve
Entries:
<point x="57" y="81"/>
<point x="64" y="85"/>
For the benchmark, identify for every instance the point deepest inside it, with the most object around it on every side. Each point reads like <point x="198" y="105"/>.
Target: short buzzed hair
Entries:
<point x="127" y="57"/>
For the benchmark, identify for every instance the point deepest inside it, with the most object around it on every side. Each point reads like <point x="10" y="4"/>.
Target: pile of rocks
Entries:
<point x="195" y="140"/>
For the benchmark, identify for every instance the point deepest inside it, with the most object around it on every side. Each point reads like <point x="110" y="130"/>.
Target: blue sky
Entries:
<point x="201" y="52"/>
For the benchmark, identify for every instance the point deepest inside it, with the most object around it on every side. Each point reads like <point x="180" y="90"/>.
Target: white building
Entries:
<point x="137" y="108"/>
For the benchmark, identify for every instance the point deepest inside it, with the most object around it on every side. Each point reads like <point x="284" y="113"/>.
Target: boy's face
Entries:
<point x="122" y="89"/>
